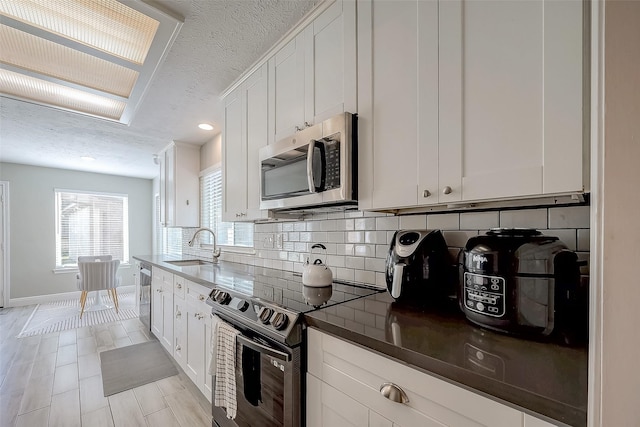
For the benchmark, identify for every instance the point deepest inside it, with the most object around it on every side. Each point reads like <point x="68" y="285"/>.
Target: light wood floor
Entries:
<point x="55" y="380"/>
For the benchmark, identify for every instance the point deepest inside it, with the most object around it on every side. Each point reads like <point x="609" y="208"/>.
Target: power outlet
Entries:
<point x="279" y="240"/>
<point x="267" y="242"/>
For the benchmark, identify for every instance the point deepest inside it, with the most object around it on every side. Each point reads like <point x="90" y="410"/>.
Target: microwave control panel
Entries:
<point x="484" y="294"/>
<point x="332" y="157"/>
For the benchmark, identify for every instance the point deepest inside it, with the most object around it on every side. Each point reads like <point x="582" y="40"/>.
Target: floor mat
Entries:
<point x="63" y="315"/>
<point x="132" y="366"/>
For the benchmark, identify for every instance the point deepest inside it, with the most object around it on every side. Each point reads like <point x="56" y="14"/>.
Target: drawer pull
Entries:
<point x="393" y="393"/>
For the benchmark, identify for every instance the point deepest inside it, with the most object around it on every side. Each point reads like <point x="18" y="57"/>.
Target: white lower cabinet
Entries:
<point x="182" y="322"/>
<point x="197" y="337"/>
<point x="162" y="307"/>
<point x="343" y="389"/>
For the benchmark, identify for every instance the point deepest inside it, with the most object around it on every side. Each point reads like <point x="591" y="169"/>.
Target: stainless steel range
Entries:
<point x="268" y="311"/>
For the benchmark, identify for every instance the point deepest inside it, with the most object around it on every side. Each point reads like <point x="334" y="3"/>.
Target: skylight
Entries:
<point x="94" y="57"/>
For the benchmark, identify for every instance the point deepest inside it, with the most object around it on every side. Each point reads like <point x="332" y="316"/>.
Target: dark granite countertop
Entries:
<point x="544" y="379"/>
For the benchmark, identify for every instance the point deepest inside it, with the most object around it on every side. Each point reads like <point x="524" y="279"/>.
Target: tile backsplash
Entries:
<point x="357" y="242"/>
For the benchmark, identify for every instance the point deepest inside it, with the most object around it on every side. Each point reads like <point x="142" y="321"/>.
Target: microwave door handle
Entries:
<point x="310" y="182"/>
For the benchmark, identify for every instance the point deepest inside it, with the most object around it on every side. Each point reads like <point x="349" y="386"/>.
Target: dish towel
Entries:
<point x="225" y="371"/>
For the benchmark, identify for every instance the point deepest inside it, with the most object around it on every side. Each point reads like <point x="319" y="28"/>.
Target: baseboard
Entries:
<point x="43" y="299"/>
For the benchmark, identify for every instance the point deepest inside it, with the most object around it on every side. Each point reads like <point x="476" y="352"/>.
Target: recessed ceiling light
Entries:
<point x="205" y="126"/>
<point x="87" y="158"/>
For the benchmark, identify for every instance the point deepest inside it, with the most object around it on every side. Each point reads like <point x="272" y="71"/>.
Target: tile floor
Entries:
<point x="55" y="380"/>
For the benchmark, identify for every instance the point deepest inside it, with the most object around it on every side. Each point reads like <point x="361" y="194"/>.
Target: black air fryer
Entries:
<point x="417" y="265"/>
<point x="522" y="282"/>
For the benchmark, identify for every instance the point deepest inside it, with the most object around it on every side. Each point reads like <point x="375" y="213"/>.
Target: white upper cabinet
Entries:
<point x="471" y="101"/>
<point x="313" y="76"/>
<point x="245" y="131"/>
<point x="179" y="185"/>
<point x="511" y="103"/>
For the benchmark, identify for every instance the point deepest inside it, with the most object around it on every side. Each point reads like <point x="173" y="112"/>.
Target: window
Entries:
<point x="167" y="240"/>
<point x="91" y="224"/>
<point x="227" y="233"/>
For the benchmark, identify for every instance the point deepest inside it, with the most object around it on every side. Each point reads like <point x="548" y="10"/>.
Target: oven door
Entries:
<point x="268" y="386"/>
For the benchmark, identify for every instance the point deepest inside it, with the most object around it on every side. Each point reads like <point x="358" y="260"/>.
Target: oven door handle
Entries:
<point x="280" y="355"/>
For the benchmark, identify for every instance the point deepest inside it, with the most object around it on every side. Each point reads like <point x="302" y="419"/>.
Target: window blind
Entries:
<point x="90" y="224"/>
<point x="227" y="233"/>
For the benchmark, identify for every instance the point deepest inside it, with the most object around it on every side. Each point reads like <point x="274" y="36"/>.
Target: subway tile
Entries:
<point x="354" y="214"/>
<point x="365" y="224"/>
<point x="355" y="262"/>
<point x="283" y="255"/>
<point x="374" y="264"/>
<point x="305" y="237"/>
<point x="287" y="266"/>
<point x="365" y="250"/>
<point x="335" y="237"/>
<point x="299" y="226"/>
<point x="479" y="220"/>
<point x="443" y="221"/>
<point x="525" y="218"/>
<point x="381" y="280"/>
<point x="286" y="226"/>
<point x="335" y="215"/>
<point x="293" y="236"/>
<point x="413" y="222"/>
<point x="382" y="251"/>
<point x="345" y="274"/>
<point x="300" y="247"/>
<point x="378" y="237"/>
<point x="329" y="225"/>
<point x="355" y="237"/>
<point x="314" y="225"/>
<point x="387" y="223"/>
<point x="390" y="235"/>
<point x="364" y="276"/>
<point x="566" y="236"/>
<point x="569" y="217"/>
<point x="333" y="260"/>
<point x="584" y="239"/>
<point x="332" y="248"/>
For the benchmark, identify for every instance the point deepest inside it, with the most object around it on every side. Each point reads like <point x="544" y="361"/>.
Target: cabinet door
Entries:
<point x="156" y="308"/>
<point x="235" y="158"/>
<point x="167" y="318"/>
<point x="169" y="202"/>
<point x="207" y="390"/>
<point x="194" y="360"/>
<point x="398" y="102"/>
<point x="330" y="63"/>
<point x="255" y="93"/>
<point x="179" y="329"/>
<point x="510" y="98"/>
<point x="328" y="407"/>
<point x="286" y="88"/>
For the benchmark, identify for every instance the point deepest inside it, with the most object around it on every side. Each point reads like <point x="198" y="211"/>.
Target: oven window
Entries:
<point x="286" y="180"/>
<point x="260" y="391"/>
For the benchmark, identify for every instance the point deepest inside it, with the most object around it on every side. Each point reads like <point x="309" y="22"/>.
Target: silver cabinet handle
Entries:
<point x="307" y="124"/>
<point x="179" y="286"/>
<point x="298" y="128"/>
<point x="446" y="190"/>
<point x="393" y="393"/>
<point x="426" y="193"/>
<point x="201" y="297"/>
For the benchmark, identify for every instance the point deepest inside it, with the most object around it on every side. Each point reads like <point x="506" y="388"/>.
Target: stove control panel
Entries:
<point x="266" y="316"/>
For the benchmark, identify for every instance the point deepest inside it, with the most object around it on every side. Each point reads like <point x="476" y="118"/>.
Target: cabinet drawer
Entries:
<point x="158" y="274"/>
<point x="360" y="373"/>
<point x="179" y="286"/>
<point x="197" y="292"/>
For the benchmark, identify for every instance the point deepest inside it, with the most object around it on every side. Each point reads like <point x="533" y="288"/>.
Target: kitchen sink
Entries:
<point x="188" y="262"/>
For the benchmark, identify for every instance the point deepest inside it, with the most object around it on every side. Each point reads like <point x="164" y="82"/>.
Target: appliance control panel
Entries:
<point x="485" y="294"/>
<point x="332" y="159"/>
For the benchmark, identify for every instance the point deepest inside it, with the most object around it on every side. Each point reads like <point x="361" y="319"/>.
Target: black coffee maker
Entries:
<point x="417" y="266"/>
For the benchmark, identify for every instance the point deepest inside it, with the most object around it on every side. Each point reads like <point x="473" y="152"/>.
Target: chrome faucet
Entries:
<point x="216" y="251"/>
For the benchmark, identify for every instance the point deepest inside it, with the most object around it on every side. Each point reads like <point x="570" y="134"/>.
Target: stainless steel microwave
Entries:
<point x="315" y="167"/>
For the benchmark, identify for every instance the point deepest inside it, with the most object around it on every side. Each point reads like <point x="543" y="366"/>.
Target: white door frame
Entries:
<point x="4" y="242"/>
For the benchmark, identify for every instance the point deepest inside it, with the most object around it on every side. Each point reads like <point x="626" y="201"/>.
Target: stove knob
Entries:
<point x="242" y="305"/>
<point x="280" y="321"/>
<point x="223" y="298"/>
<point x="265" y="315"/>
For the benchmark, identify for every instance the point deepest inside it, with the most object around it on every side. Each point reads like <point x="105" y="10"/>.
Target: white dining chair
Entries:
<point x="96" y="273"/>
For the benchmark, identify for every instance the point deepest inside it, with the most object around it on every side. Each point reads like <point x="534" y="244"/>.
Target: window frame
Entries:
<point x="208" y="245"/>
<point x="61" y="268"/>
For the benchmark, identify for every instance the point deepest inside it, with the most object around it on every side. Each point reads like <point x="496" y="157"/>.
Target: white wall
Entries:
<point x="620" y="304"/>
<point x="211" y="152"/>
<point x="32" y="224"/>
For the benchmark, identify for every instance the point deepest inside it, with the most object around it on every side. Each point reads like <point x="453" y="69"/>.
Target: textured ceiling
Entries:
<point x="218" y="41"/>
